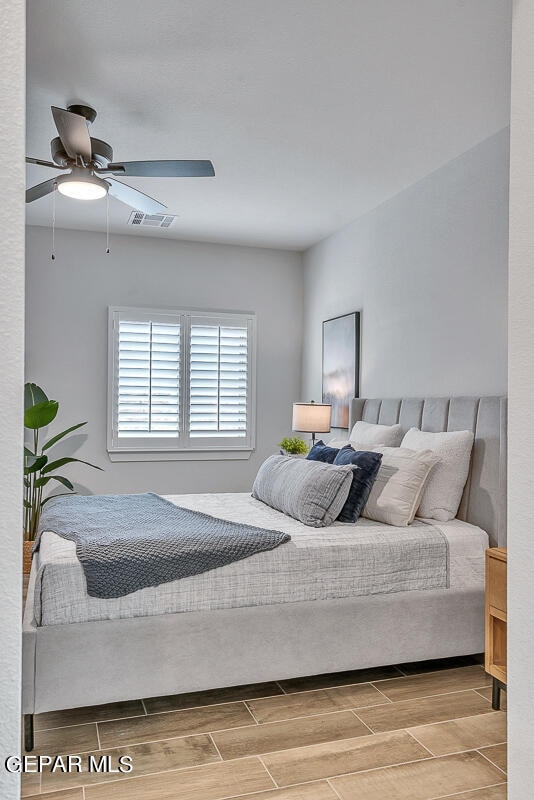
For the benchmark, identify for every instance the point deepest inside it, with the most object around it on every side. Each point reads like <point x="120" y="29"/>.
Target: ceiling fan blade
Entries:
<point x="43" y="163"/>
<point x="134" y="198"/>
<point x="73" y="133"/>
<point x="162" y="169"/>
<point x="40" y="190"/>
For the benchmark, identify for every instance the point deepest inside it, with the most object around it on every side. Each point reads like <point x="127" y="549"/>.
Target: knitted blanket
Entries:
<point x="128" y="542"/>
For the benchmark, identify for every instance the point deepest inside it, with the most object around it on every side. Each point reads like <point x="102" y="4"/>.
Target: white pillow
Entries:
<point x="338" y="442"/>
<point x="368" y="434"/>
<point x="443" y="491"/>
<point x="397" y="490"/>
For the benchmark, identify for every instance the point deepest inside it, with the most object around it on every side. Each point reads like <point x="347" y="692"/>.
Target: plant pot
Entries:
<point x="27" y="557"/>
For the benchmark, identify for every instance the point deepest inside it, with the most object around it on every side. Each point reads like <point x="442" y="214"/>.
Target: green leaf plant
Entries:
<point x="39" y="412"/>
<point x="294" y="445"/>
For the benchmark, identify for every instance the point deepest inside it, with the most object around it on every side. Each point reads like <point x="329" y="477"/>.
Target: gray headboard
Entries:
<point x="484" y="499"/>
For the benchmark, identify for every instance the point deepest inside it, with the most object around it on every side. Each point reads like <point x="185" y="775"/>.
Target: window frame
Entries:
<point x="184" y="446"/>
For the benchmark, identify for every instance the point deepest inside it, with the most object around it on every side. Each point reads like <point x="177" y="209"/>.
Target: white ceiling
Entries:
<point x="312" y="111"/>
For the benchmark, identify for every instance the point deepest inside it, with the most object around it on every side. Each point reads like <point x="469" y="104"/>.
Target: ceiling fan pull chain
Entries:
<point x="53" y="255"/>
<point x="107" y="224"/>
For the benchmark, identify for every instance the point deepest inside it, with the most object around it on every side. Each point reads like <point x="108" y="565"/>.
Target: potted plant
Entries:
<point x="293" y="446"/>
<point x="39" y="468"/>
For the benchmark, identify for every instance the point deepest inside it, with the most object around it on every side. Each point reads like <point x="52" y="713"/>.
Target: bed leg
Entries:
<point x="28" y="732"/>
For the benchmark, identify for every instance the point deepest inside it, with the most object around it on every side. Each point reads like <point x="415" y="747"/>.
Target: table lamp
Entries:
<point x="312" y="418"/>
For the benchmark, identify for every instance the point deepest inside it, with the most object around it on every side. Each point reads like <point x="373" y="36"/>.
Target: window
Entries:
<point x="180" y="381"/>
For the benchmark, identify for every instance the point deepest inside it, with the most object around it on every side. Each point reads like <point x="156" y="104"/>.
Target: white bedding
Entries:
<point x="318" y="564"/>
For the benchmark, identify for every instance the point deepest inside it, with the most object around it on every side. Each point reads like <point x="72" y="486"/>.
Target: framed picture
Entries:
<point x="341" y="365"/>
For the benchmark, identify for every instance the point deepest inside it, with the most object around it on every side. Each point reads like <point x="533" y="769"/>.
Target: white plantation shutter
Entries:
<point x="218" y="380"/>
<point x="148" y="379"/>
<point x="180" y="381"/>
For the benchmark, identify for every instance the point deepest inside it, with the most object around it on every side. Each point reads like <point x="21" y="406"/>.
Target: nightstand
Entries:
<point x="495" y="662"/>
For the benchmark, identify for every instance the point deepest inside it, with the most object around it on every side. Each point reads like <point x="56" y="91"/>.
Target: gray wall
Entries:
<point x="521" y="427"/>
<point x="66" y="332"/>
<point x="12" y="91"/>
<point x="428" y="270"/>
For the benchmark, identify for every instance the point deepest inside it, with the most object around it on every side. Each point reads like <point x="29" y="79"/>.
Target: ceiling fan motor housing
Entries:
<point x="102" y="152"/>
<point x="83" y="111"/>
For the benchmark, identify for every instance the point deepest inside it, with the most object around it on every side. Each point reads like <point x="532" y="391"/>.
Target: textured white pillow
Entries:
<point x="443" y="491"/>
<point x="371" y="435"/>
<point x="397" y="490"/>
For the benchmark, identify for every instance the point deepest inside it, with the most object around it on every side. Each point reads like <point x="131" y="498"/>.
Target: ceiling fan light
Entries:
<point x="82" y="187"/>
<point x="81" y="190"/>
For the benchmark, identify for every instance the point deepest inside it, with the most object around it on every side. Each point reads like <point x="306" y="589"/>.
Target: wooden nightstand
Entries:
<point x="496" y="620"/>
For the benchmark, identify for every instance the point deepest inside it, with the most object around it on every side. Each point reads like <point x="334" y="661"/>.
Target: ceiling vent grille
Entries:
<point x="151" y="220"/>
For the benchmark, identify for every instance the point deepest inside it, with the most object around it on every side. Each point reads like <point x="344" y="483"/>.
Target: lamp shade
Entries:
<point x="311" y="417"/>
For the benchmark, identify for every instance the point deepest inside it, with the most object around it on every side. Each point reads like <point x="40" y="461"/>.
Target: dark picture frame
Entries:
<point x="341" y="365"/>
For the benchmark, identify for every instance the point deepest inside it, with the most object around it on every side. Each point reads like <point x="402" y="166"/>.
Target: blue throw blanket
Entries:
<point x="131" y="541"/>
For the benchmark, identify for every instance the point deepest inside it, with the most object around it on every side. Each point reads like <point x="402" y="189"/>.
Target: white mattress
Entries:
<point x="318" y="564"/>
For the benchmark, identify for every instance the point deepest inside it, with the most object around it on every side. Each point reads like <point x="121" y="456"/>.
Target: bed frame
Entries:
<point x="89" y="663"/>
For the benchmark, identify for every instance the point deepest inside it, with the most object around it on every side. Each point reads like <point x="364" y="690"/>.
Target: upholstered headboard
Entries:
<point x="484" y="499"/>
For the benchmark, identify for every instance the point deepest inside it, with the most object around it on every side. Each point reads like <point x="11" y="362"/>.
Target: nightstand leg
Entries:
<point x="496" y="695"/>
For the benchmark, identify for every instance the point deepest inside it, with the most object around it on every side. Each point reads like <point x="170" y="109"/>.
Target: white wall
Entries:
<point x="521" y="426"/>
<point x="428" y="270"/>
<point x="66" y="332"/>
<point x="12" y="136"/>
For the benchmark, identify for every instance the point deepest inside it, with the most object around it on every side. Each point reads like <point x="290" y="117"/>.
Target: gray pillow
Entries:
<point x="310" y="491"/>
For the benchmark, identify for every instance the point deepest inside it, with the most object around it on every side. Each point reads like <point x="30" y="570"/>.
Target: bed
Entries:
<point x="79" y="651"/>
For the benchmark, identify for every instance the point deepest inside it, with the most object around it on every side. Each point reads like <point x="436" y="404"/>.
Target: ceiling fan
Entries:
<point x="88" y="163"/>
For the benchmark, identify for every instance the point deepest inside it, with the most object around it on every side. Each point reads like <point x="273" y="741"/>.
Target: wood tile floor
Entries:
<point x="413" y="732"/>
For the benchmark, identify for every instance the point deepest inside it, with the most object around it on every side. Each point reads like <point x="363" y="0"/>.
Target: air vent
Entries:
<point x="151" y="220"/>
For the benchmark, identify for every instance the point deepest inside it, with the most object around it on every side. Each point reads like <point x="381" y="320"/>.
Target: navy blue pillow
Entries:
<point x="367" y="465"/>
<point x="321" y="452"/>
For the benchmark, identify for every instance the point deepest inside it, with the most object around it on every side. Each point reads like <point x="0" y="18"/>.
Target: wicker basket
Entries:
<point x="27" y="557"/>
